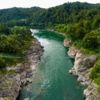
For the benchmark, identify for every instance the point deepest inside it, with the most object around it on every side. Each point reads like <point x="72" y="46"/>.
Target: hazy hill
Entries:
<point x="17" y="13"/>
<point x="66" y="13"/>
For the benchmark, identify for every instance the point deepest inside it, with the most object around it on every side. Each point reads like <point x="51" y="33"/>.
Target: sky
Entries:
<point x="39" y="3"/>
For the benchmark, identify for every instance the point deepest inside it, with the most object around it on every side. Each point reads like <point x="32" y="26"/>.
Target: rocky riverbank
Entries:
<point x="20" y="75"/>
<point x="82" y="69"/>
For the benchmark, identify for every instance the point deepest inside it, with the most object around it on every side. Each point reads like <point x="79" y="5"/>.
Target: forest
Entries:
<point x="79" y="22"/>
<point x="14" y="43"/>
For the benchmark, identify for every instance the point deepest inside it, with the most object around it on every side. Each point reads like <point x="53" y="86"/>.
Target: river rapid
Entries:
<point x="51" y="80"/>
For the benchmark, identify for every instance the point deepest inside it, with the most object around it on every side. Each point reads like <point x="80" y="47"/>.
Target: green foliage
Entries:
<point x="96" y="70"/>
<point x="66" y="14"/>
<point x="15" y="43"/>
<point x="95" y="73"/>
<point x="92" y="40"/>
<point x="61" y="28"/>
<point x="76" y="32"/>
<point x="2" y="62"/>
<point x="79" y="22"/>
<point x="96" y="21"/>
<point x="9" y="60"/>
<point x="12" y="14"/>
<point x="4" y="29"/>
<point x="63" y="14"/>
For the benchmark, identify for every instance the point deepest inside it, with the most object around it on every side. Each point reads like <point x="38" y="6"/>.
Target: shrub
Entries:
<point x="92" y="40"/>
<point x="95" y="73"/>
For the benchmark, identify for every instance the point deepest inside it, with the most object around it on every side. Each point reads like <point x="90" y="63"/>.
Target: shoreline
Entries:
<point x="12" y="84"/>
<point x="82" y="69"/>
<point x="51" y="30"/>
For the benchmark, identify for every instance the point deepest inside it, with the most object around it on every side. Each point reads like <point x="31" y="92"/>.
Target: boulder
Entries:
<point x="72" y="52"/>
<point x="67" y="43"/>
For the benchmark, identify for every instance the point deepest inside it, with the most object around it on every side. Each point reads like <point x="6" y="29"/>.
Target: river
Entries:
<point x="51" y="80"/>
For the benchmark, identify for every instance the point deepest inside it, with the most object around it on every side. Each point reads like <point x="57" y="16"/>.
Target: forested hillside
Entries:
<point x="18" y="16"/>
<point x="68" y="13"/>
<point x="63" y="14"/>
<point x="14" y="42"/>
<point x="79" y="22"/>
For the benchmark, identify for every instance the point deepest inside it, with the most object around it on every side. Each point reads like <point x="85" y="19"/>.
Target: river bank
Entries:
<point x="51" y="80"/>
<point x="82" y="68"/>
<point x="20" y="75"/>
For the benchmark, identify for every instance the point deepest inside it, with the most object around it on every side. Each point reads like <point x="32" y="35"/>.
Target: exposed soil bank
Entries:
<point x="11" y="84"/>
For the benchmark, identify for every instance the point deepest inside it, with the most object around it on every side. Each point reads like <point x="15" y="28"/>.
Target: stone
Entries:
<point x="67" y="43"/>
<point x="82" y="68"/>
<point x="11" y="84"/>
<point x="1" y="98"/>
<point x="72" y="52"/>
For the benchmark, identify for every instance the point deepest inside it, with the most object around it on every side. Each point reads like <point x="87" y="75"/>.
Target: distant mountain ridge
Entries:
<point x="66" y="13"/>
<point x="17" y="13"/>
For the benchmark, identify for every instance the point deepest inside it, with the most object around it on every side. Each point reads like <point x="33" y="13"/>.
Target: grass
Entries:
<point x="5" y="72"/>
<point x="9" y="60"/>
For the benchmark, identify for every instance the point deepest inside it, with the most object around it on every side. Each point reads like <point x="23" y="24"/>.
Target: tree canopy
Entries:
<point x="13" y="44"/>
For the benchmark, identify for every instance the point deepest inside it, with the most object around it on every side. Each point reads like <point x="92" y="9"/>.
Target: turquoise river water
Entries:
<point x="51" y="80"/>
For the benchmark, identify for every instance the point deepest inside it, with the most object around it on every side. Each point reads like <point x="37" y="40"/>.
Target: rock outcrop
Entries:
<point x="67" y="43"/>
<point x="82" y="69"/>
<point x="12" y="83"/>
<point x="82" y="66"/>
<point x="91" y="92"/>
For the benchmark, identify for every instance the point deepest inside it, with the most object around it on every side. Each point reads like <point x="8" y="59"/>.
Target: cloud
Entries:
<point x="40" y="3"/>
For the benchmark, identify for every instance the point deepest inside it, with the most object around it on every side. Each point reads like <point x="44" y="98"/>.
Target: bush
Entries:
<point x="92" y="40"/>
<point x="16" y="43"/>
<point x="4" y="29"/>
<point x="95" y="73"/>
<point x="2" y="62"/>
<point x="77" y="31"/>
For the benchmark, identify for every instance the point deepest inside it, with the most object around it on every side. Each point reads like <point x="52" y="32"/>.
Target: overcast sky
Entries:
<point x="40" y="3"/>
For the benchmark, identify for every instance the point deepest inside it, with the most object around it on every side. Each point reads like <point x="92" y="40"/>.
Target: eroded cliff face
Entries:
<point x="82" y="69"/>
<point x="11" y="84"/>
<point x="82" y="66"/>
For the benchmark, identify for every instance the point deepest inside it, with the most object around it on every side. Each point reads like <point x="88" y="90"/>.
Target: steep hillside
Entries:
<point x="63" y="14"/>
<point x="67" y="13"/>
<point x="12" y="14"/>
